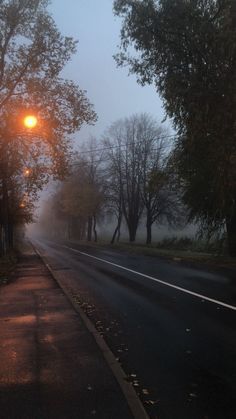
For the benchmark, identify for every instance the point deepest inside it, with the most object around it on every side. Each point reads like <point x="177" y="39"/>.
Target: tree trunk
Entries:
<point x="114" y="235"/>
<point x="149" y="230"/>
<point x="132" y="232"/>
<point x="89" y="231"/>
<point x="118" y="234"/>
<point x="5" y="216"/>
<point x="83" y="231"/>
<point x="231" y="234"/>
<point x="117" y="230"/>
<point x="3" y="241"/>
<point x="11" y="235"/>
<point x="69" y="228"/>
<point x="94" y="228"/>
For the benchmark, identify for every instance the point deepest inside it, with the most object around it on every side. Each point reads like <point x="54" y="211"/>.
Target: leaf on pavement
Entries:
<point x="145" y="391"/>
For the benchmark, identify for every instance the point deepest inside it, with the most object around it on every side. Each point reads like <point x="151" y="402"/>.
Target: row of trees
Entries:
<point x="32" y="55"/>
<point x="128" y="177"/>
<point x="188" y="50"/>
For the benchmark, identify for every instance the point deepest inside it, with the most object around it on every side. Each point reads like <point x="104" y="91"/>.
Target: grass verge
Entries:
<point x="180" y="255"/>
<point x="176" y="255"/>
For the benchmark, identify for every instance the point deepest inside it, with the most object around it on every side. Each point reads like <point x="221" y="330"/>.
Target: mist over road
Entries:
<point x="171" y="326"/>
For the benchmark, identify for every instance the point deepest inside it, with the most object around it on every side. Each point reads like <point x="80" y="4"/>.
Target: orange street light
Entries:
<point x="30" y="121"/>
<point x="27" y="172"/>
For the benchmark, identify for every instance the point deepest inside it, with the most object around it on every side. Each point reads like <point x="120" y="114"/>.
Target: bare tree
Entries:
<point x="137" y="149"/>
<point x="114" y="188"/>
<point x="123" y="149"/>
<point x="93" y="160"/>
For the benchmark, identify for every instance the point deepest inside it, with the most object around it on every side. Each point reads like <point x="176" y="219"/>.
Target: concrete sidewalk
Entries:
<point x="50" y="364"/>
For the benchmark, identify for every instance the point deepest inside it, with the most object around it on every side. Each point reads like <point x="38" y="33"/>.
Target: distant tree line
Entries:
<point x="127" y="177"/>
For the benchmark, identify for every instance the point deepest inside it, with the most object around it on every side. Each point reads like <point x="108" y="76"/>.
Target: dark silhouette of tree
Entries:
<point x="188" y="49"/>
<point x="138" y="181"/>
<point x="32" y="55"/>
<point x="125" y="164"/>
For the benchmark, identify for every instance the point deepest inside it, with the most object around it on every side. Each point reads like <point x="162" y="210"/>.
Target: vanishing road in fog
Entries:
<point x="171" y="326"/>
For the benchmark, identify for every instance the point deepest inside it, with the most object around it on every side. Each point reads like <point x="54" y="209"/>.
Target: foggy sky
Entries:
<point x="114" y="94"/>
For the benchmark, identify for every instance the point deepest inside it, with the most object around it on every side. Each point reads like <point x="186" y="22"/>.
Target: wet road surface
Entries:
<point x="176" y="339"/>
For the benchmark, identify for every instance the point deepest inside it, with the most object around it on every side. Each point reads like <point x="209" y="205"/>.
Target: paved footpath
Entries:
<point x="50" y="364"/>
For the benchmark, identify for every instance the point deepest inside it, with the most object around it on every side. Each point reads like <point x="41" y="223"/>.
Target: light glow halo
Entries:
<point x="30" y="121"/>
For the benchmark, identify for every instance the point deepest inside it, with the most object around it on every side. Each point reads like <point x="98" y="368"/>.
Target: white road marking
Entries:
<point x="195" y="294"/>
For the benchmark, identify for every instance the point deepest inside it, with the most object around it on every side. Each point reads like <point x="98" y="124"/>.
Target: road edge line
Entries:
<point x="127" y="389"/>
<point x="159" y="281"/>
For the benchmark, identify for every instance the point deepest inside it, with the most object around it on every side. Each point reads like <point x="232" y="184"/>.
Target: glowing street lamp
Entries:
<point x="26" y="172"/>
<point x="30" y="121"/>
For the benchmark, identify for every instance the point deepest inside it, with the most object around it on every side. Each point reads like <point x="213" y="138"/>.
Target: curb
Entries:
<point x="128" y="391"/>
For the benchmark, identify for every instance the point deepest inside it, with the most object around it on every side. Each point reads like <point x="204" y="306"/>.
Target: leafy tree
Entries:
<point x="79" y="199"/>
<point x="32" y="55"/>
<point x="188" y="49"/>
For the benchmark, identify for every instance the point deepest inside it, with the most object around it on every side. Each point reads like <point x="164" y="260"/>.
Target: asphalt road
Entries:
<point x="171" y="326"/>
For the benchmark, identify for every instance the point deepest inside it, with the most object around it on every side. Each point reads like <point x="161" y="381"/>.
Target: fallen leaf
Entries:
<point x="152" y="402"/>
<point x="193" y="395"/>
<point x="145" y="391"/>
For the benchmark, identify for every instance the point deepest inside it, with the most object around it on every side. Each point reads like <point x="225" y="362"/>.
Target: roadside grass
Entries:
<point x="197" y="257"/>
<point x="181" y="255"/>
<point x="7" y="265"/>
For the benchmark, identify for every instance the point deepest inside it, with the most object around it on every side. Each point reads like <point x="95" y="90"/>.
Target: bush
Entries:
<point x="175" y="243"/>
<point x="214" y="246"/>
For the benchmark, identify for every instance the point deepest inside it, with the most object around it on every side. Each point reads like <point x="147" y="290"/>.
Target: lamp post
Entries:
<point x="6" y="231"/>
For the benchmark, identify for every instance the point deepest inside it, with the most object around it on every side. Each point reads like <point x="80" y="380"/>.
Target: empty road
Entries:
<point x="172" y="327"/>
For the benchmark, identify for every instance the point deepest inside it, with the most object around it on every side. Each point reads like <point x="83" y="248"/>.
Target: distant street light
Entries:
<point x="30" y="121"/>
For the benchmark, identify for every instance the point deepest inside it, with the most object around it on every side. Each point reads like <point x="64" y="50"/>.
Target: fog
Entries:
<point x="114" y="93"/>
